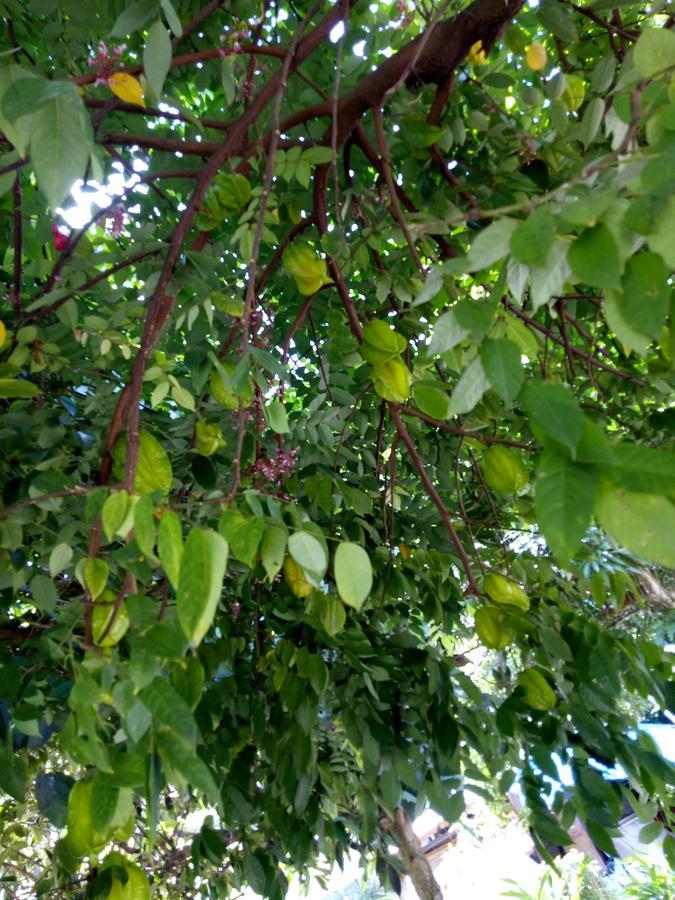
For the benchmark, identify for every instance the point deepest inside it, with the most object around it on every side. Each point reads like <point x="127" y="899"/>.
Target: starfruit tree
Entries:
<point x="336" y="351"/>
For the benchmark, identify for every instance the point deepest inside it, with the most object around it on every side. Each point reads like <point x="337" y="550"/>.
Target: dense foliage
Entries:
<point x="356" y="377"/>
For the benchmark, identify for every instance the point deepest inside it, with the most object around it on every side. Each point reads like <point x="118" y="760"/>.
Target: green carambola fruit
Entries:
<point x="538" y="692"/>
<point x="208" y="438"/>
<point x="228" y="194"/>
<point x="503" y="470"/>
<point x="381" y="342"/>
<point x="309" y="270"/>
<point x="391" y="380"/>
<point x="502" y="590"/>
<point x="490" y="628"/>
<point x="223" y="395"/>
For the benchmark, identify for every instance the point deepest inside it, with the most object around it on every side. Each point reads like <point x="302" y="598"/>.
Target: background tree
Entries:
<point x="362" y="355"/>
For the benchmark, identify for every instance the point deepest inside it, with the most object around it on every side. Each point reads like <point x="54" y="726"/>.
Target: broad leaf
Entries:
<point x="564" y="498"/>
<point x="200" y="582"/>
<point x="353" y="574"/>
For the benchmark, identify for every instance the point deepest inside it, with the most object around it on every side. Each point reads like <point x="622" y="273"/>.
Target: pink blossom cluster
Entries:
<point x="105" y="62"/>
<point x="274" y="470"/>
<point x="114" y="221"/>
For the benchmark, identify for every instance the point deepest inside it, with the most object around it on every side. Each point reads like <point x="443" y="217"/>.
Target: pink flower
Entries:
<point x="60" y="239"/>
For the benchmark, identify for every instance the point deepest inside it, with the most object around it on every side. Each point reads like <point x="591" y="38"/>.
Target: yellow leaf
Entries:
<point x="127" y="88"/>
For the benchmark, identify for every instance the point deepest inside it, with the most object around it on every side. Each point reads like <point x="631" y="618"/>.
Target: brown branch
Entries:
<point x="413" y="857"/>
<point x="117" y="106"/>
<point x="434" y="496"/>
<point x="123" y="264"/>
<point x="463" y="432"/>
<point x="18" y="246"/>
<point x="159" y="142"/>
<point x="383" y="147"/>
<point x="188" y="59"/>
<point x="542" y="329"/>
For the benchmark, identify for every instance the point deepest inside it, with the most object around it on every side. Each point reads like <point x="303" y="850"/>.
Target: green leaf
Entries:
<point x="170" y="545"/>
<point x="200" y="583"/>
<point x="157" y="56"/>
<point x="469" y="389"/>
<point x="244" y="539"/>
<point x="17" y="388"/>
<point x="502" y="365"/>
<point x="114" y="513"/>
<point x="549" y="279"/>
<point x="557" y="19"/>
<point x="44" y="593"/>
<point x="95" y="576"/>
<point x="532" y="239"/>
<point x="60" y="145"/>
<point x="643" y="469"/>
<point x="332" y="614"/>
<point x="353" y="574"/>
<point x="185" y="761"/>
<point x="59" y="559"/>
<point x="564" y="498"/>
<point x="592" y="120"/>
<point x="552" y="407"/>
<point x="272" y="550"/>
<point x="172" y="18"/>
<point x="642" y="523"/>
<point x="169" y="709"/>
<point x="447" y="334"/>
<point x="308" y="552"/>
<point x="432" y="399"/>
<point x="491" y="245"/>
<point x="645" y="295"/>
<point x="654" y="51"/>
<point x="277" y="418"/>
<point x="153" y="469"/>
<point x="144" y="526"/>
<point x="104" y="795"/>
<point x="17" y="133"/>
<point x="135" y="16"/>
<point x="317" y="156"/>
<point x="594" y="257"/>
<point x="12" y="775"/>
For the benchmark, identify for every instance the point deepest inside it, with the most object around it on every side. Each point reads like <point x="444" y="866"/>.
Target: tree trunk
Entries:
<point x="414" y="858"/>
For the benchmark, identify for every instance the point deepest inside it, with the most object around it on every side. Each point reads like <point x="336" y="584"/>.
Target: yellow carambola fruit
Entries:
<point x="3" y="332"/>
<point x="573" y="92"/>
<point x="503" y="590"/>
<point x="309" y="270"/>
<point x="476" y="55"/>
<point x="224" y="395"/>
<point x="100" y="617"/>
<point x="137" y="886"/>
<point x="535" y="57"/>
<point x="295" y="578"/>
<point x="538" y="692"/>
<point x="208" y="438"/>
<point x="391" y="380"/>
<point x="503" y="470"/>
<point x="490" y="628"/>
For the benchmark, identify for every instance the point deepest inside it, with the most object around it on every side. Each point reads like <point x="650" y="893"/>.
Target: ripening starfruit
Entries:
<point x="502" y="590"/>
<point x="391" y="380"/>
<point x="295" y="578"/>
<point x="208" y="438"/>
<point x="101" y="615"/>
<point x="573" y="92"/>
<point x="503" y="470"/>
<point x="538" y="692"/>
<point x="476" y="55"/>
<point x="309" y="270"/>
<point x="136" y="887"/>
<point x="535" y="57"/>
<point x="490" y="628"/>
<point x="223" y="395"/>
